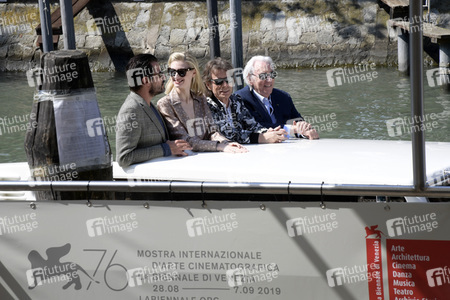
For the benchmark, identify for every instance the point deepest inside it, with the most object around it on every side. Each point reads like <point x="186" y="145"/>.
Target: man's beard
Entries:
<point x="156" y="91"/>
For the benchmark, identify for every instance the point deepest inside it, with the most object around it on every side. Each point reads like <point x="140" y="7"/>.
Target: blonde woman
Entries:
<point x="185" y="110"/>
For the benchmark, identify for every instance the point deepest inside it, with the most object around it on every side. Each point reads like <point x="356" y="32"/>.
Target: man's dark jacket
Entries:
<point x="282" y="104"/>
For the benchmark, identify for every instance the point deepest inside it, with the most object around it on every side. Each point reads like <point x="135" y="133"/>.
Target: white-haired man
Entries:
<point x="269" y="106"/>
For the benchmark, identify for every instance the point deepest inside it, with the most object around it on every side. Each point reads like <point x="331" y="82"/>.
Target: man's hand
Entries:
<point x="272" y="135"/>
<point x="312" y="134"/>
<point x="177" y="147"/>
<point x="305" y="129"/>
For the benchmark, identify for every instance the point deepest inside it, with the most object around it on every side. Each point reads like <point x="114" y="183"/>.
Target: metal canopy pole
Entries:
<point x="237" y="58"/>
<point x="417" y="132"/>
<point x="213" y="23"/>
<point x="46" y="26"/>
<point x="67" y="24"/>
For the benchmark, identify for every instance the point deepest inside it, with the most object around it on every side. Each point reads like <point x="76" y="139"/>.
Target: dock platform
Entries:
<point x="436" y="34"/>
<point x="397" y="8"/>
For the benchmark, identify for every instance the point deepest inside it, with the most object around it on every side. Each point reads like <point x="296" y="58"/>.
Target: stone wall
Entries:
<point x="308" y="33"/>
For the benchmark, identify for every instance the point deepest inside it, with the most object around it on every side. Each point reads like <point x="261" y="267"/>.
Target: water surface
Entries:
<point x="359" y="110"/>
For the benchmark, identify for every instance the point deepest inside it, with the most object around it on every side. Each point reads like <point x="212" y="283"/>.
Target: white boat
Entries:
<point x="338" y="162"/>
<point x="15" y="172"/>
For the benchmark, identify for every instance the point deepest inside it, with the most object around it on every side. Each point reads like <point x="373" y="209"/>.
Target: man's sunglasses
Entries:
<point x="181" y="72"/>
<point x="160" y="74"/>
<point x="219" y="81"/>
<point x="264" y="76"/>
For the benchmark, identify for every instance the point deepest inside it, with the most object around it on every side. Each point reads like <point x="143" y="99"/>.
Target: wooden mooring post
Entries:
<point x="68" y="140"/>
<point x="444" y="64"/>
<point x="403" y="51"/>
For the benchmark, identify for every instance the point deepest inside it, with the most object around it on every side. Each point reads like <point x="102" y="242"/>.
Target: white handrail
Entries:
<point x="225" y="187"/>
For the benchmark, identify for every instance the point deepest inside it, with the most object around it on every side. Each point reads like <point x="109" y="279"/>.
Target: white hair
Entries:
<point x="249" y="67"/>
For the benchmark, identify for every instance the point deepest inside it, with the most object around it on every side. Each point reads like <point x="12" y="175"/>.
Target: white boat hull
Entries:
<point x="329" y="161"/>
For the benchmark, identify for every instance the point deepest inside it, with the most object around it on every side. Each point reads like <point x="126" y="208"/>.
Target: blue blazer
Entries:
<point x="283" y="107"/>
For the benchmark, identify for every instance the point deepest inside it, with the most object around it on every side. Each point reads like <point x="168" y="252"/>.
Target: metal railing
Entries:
<point x="227" y="188"/>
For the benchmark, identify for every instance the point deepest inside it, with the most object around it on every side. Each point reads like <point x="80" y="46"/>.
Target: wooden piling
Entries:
<point x="65" y="75"/>
<point x="444" y="64"/>
<point x="403" y="51"/>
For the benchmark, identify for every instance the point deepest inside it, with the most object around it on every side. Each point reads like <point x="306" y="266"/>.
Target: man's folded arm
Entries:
<point x="128" y="157"/>
<point x="128" y="152"/>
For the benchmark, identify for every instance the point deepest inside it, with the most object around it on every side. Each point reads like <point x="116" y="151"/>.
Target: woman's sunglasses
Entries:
<point x="181" y="72"/>
<point x="219" y="81"/>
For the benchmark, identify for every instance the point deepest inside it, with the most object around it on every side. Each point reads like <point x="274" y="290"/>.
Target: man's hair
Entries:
<point x="249" y="67"/>
<point x="197" y="86"/>
<point x="214" y="65"/>
<point x="144" y="62"/>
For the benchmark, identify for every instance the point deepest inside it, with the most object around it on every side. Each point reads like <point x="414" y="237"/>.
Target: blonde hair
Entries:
<point x="197" y="86"/>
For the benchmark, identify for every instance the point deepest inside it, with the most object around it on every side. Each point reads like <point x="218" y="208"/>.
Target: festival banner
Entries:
<point x="162" y="250"/>
<point x="375" y="268"/>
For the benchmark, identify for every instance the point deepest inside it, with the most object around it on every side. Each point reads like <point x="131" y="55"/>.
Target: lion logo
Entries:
<point x="372" y="230"/>
<point x="53" y="270"/>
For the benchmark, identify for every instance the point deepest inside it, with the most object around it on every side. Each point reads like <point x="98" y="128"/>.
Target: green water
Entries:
<point x="358" y="110"/>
